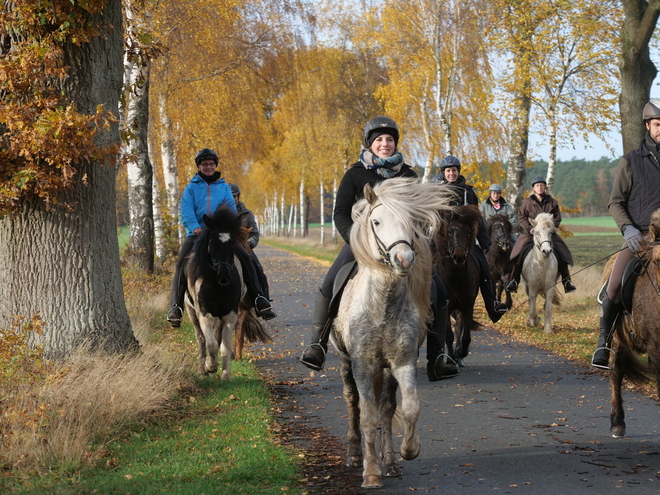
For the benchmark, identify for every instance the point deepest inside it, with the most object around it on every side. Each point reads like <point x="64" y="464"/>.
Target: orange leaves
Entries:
<point x="43" y="138"/>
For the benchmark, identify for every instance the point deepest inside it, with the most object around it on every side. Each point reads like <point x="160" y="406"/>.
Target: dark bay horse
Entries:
<point x="638" y="332"/>
<point x="383" y="316"/>
<point x="500" y="231"/>
<point x="215" y="289"/>
<point x="459" y="271"/>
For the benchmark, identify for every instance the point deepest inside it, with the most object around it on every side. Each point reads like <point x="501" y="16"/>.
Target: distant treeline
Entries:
<point x="580" y="184"/>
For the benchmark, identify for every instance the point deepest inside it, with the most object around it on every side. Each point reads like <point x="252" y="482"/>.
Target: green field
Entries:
<point x="590" y="221"/>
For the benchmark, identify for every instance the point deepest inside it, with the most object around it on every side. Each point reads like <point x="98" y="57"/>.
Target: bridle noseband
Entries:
<point x="383" y="250"/>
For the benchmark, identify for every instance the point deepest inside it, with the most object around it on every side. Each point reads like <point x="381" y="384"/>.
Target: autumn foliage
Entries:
<point x="42" y="134"/>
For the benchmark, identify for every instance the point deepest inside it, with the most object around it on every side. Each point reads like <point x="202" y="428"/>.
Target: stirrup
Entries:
<point x="603" y="367"/>
<point x="309" y="364"/>
<point x="175" y="322"/>
<point x="512" y="286"/>
<point x="267" y="313"/>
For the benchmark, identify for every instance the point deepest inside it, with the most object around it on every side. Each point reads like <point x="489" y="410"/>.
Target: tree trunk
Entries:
<point x="519" y="137"/>
<point x="637" y="69"/>
<point x="552" y="141"/>
<point x="170" y="172"/>
<point x="321" y="194"/>
<point x="140" y="171"/>
<point x="65" y="264"/>
<point x="303" y="211"/>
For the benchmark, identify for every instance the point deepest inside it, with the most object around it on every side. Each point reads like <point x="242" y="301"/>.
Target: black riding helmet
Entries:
<point x="206" y="154"/>
<point x="380" y="125"/>
<point x="450" y="161"/>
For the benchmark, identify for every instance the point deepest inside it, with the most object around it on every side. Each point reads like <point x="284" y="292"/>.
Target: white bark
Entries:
<point x="170" y="172"/>
<point x="321" y="194"/>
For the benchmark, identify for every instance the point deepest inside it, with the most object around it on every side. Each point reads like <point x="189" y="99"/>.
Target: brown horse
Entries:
<point x="459" y="272"/>
<point x="638" y="332"/>
<point x="500" y="231"/>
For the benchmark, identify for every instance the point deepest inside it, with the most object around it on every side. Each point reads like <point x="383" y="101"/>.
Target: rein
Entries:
<point x="383" y="250"/>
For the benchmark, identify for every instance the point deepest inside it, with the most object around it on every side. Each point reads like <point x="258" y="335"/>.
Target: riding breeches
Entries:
<point x="179" y="280"/>
<point x="614" y="283"/>
<point x="344" y="256"/>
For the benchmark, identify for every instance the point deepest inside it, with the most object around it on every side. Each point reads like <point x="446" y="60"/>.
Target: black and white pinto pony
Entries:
<point x="383" y="315"/>
<point x="541" y="271"/>
<point x="215" y="289"/>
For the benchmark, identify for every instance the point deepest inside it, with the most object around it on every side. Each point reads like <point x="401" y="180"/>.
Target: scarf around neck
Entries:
<point x="386" y="167"/>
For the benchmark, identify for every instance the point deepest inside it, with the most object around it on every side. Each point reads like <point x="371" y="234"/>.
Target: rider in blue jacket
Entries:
<point x="206" y="192"/>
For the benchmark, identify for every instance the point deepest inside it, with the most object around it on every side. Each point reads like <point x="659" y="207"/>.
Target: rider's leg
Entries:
<point x="494" y="308"/>
<point x="261" y="276"/>
<point x="175" y="313"/>
<point x="610" y="310"/>
<point x="569" y="286"/>
<point x="436" y="335"/>
<point x="314" y="355"/>
<point x="514" y="278"/>
<point x="255" y="291"/>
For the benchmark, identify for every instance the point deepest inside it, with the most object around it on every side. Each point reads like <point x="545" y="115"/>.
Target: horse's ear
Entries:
<point x="369" y="194"/>
<point x="533" y="222"/>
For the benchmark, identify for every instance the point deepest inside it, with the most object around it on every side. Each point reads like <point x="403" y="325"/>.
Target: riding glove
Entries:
<point x="633" y="237"/>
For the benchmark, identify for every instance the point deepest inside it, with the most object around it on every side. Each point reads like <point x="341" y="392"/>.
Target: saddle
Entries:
<point x="344" y="274"/>
<point x="634" y="269"/>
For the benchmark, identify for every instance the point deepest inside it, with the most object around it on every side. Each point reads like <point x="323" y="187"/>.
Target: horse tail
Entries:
<point x="557" y="297"/>
<point x="253" y="330"/>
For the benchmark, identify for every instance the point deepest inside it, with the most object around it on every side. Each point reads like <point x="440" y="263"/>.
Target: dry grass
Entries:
<point x="65" y="414"/>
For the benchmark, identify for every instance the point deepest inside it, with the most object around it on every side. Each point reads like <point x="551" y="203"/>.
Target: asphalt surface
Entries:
<point x="516" y="420"/>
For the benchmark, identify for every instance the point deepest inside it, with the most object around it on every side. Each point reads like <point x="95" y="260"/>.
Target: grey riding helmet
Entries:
<point x="538" y="179"/>
<point x="651" y="110"/>
<point x="235" y="190"/>
<point x="495" y="188"/>
<point x="379" y="124"/>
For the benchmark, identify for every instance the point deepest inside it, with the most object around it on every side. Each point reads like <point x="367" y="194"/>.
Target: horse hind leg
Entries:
<point x="351" y="397"/>
<point x="387" y="412"/>
<point x="225" y="345"/>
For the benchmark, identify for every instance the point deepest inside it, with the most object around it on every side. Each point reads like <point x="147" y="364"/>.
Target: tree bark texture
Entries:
<point x="637" y="69"/>
<point x="65" y="264"/>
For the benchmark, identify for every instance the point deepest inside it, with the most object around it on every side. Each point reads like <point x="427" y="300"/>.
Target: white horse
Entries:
<point x="541" y="271"/>
<point x="383" y="315"/>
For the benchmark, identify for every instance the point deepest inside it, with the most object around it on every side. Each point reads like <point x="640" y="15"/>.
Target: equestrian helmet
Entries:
<point x="651" y="110"/>
<point x="206" y="154"/>
<point x="235" y="190"/>
<point x="538" y="179"/>
<point x="495" y="188"/>
<point x="377" y="126"/>
<point x="450" y="161"/>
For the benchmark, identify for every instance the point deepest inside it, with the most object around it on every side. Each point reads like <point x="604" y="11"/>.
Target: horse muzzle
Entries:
<point x="402" y="261"/>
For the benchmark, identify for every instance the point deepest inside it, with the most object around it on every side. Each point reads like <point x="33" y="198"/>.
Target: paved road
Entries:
<point x="516" y="420"/>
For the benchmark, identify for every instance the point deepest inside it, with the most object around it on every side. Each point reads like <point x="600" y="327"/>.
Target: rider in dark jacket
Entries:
<point x="379" y="160"/>
<point x="450" y="169"/>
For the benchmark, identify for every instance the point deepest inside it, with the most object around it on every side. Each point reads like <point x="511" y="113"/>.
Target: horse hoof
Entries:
<point x="354" y="462"/>
<point x="410" y="454"/>
<point x="618" y="432"/>
<point x="371" y="481"/>
<point x="460" y="362"/>
<point x="226" y="375"/>
<point x="393" y="471"/>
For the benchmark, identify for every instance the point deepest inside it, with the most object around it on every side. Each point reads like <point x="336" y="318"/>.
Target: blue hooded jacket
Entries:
<point x="200" y="198"/>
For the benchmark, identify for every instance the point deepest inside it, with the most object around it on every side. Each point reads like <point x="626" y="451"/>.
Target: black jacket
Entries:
<point x="351" y="190"/>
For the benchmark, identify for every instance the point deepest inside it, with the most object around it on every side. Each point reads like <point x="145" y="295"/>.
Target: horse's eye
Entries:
<point x="376" y="223"/>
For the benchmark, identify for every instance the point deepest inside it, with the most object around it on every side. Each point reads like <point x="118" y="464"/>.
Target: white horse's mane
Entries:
<point x="416" y="206"/>
<point x="545" y="221"/>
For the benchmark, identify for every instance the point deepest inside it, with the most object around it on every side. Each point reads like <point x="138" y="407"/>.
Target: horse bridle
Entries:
<point x="450" y="249"/>
<point x="498" y="241"/>
<point x="214" y="265"/>
<point x="540" y="245"/>
<point x="383" y="250"/>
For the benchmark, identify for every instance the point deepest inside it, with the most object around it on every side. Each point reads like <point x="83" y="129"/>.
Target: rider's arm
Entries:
<point x="618" y="205"/>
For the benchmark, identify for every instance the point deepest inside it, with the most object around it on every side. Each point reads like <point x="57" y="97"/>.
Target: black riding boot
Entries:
<point x="314" y="355"/>
<point x="262" y="304"/>
<point x="494" y="308"/>
<point x="514" y="280"/>
<point x="569" y="286"/>
<point x="608" y="315"/>
<point x="437" y="368"/>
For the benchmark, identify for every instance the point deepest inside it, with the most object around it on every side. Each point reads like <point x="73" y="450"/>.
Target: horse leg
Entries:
<point x="410" y="407"/>
<point x="371" y="470"/>
<point x="449" y="338"/>
<point x="351" y="397"/>
<point x="386" y="413"/>
<point x="225" y="344"/>
<point x="211" y="329"/>
<point x="467" y="317"/>
<point x="201" y="341"/>
<point x="532" y="317"/>
<point x="617" y="423"/>
<point x="239" y="336"/>
<point x="547" y="317"/>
